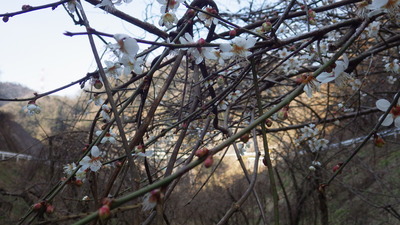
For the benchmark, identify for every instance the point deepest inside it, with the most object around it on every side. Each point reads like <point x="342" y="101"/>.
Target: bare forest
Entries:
<point x="216" y="112"/>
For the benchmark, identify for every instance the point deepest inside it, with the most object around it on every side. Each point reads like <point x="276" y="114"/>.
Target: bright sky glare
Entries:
<point x="35" y="53"/>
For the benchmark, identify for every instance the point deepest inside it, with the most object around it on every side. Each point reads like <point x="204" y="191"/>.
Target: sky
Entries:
<point x="35" y="53"/>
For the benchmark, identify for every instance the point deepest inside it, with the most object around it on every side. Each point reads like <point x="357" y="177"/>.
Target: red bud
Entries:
<point x="378" y="141"/>
<point x="190" y="12"/>
<point x="245" y="138"/>
<point x="201" y="41"/>
<point x="104" y="212"/>
<point x="209" y="161"/>
<point x="201" y="152"/>
<point x="232" y="33"/>
<point x="49" y="209"/>
<point x="78" y="183"/>
<point x="38" y="206"/>
<point x="336" y="167"/>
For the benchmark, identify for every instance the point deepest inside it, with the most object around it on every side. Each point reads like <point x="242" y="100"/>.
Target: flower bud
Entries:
<point x="282" y="114"/>
<point x="337" y="167"/>
<point x="209" y="161"/>
<point x="78" y="183"/>
<point x="155" y="196"/>
<point x="220" y="80"/>
<point x="201" y="152"/>
<point x="312" y="21"/>
<point x="98" y="84"/>
<point x="38" y="206"/>
<point x="5" y="19"/>
<point x="211" y="10"/>
<point x="267" y="26"/>
<point x="322" y="187"/>
<point x="378" y="141"/>
<point x="190" y="12"/>
<point x="118" y="164"/>
<point x="201" y="41"/>
<point x="49" y="209"/>
<point x="104" y="212"/>
<point x="140" y="148"/>
<point x="232" y="33"/>
<point x="245" y="138"/>
<point x="26" y="7"/>
<point x="264" y="161"/>
<point x="268" y="122"/>
<point x="311" y="13"/>
<point x="312" y="168"/>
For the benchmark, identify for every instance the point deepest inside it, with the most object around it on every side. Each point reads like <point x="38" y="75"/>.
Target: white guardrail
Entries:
<point x="13" y="155"/>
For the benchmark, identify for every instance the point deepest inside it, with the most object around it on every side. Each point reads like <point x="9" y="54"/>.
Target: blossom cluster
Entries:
<point x="309" y="136"/>
<point x="394" y="114"/>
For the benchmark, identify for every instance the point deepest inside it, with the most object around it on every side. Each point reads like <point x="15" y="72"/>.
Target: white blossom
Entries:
<point x="108" y="137"/>
<point x="98" y="101"/>
<point x="316" y="163"/>
<point x="391" y="79"/>
<point x="393" y="66"/>
<point x="337" y="74"/>
<point x="308" y="132"/>
<point x="168" y="19"/>
<point x="311" y="86"/>
<point x="207" y="19"/>
<point x="132" y="64"/>
<point x="317" y="144"/>
<point x="239" y="47"/>
<point x="168" y="5"/>
<point x="393" y="116"/>
<point x="199" y="53"/>
<point x="32" y="108"/>
<point x="373" y="29"/>
<point x="69" y="169"/>
<point x="105" y="112"/>
<point x="377" y="6"/>
<point x="283" y="53"/>
<point x="127" y="46"/>
<point x="92" y="162"/>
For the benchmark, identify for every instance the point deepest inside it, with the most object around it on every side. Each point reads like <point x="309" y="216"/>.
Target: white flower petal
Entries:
<point x="388" y="120"/>
<point x="131" y="46"/>
<point x="325" y="77"/>
<point x="95" y="165"/>
<point x="308" y="90"/>
<point x="85" y="162"/>
<point x="382" y="104"/>
<point x="225" y="47"/>
<point x="397" y="122"/>
<point x="95" y="152"/>
<point x="345" y="61"/>
<point x="250" y="42"/>
<point x="119" y="37"/>
<point x="112" y="140"/>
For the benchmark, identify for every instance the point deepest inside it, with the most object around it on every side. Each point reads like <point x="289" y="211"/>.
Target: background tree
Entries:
<point x="294" y="86"/>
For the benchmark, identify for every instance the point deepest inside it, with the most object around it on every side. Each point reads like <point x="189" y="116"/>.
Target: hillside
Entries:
<point x="13" y="90"/>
